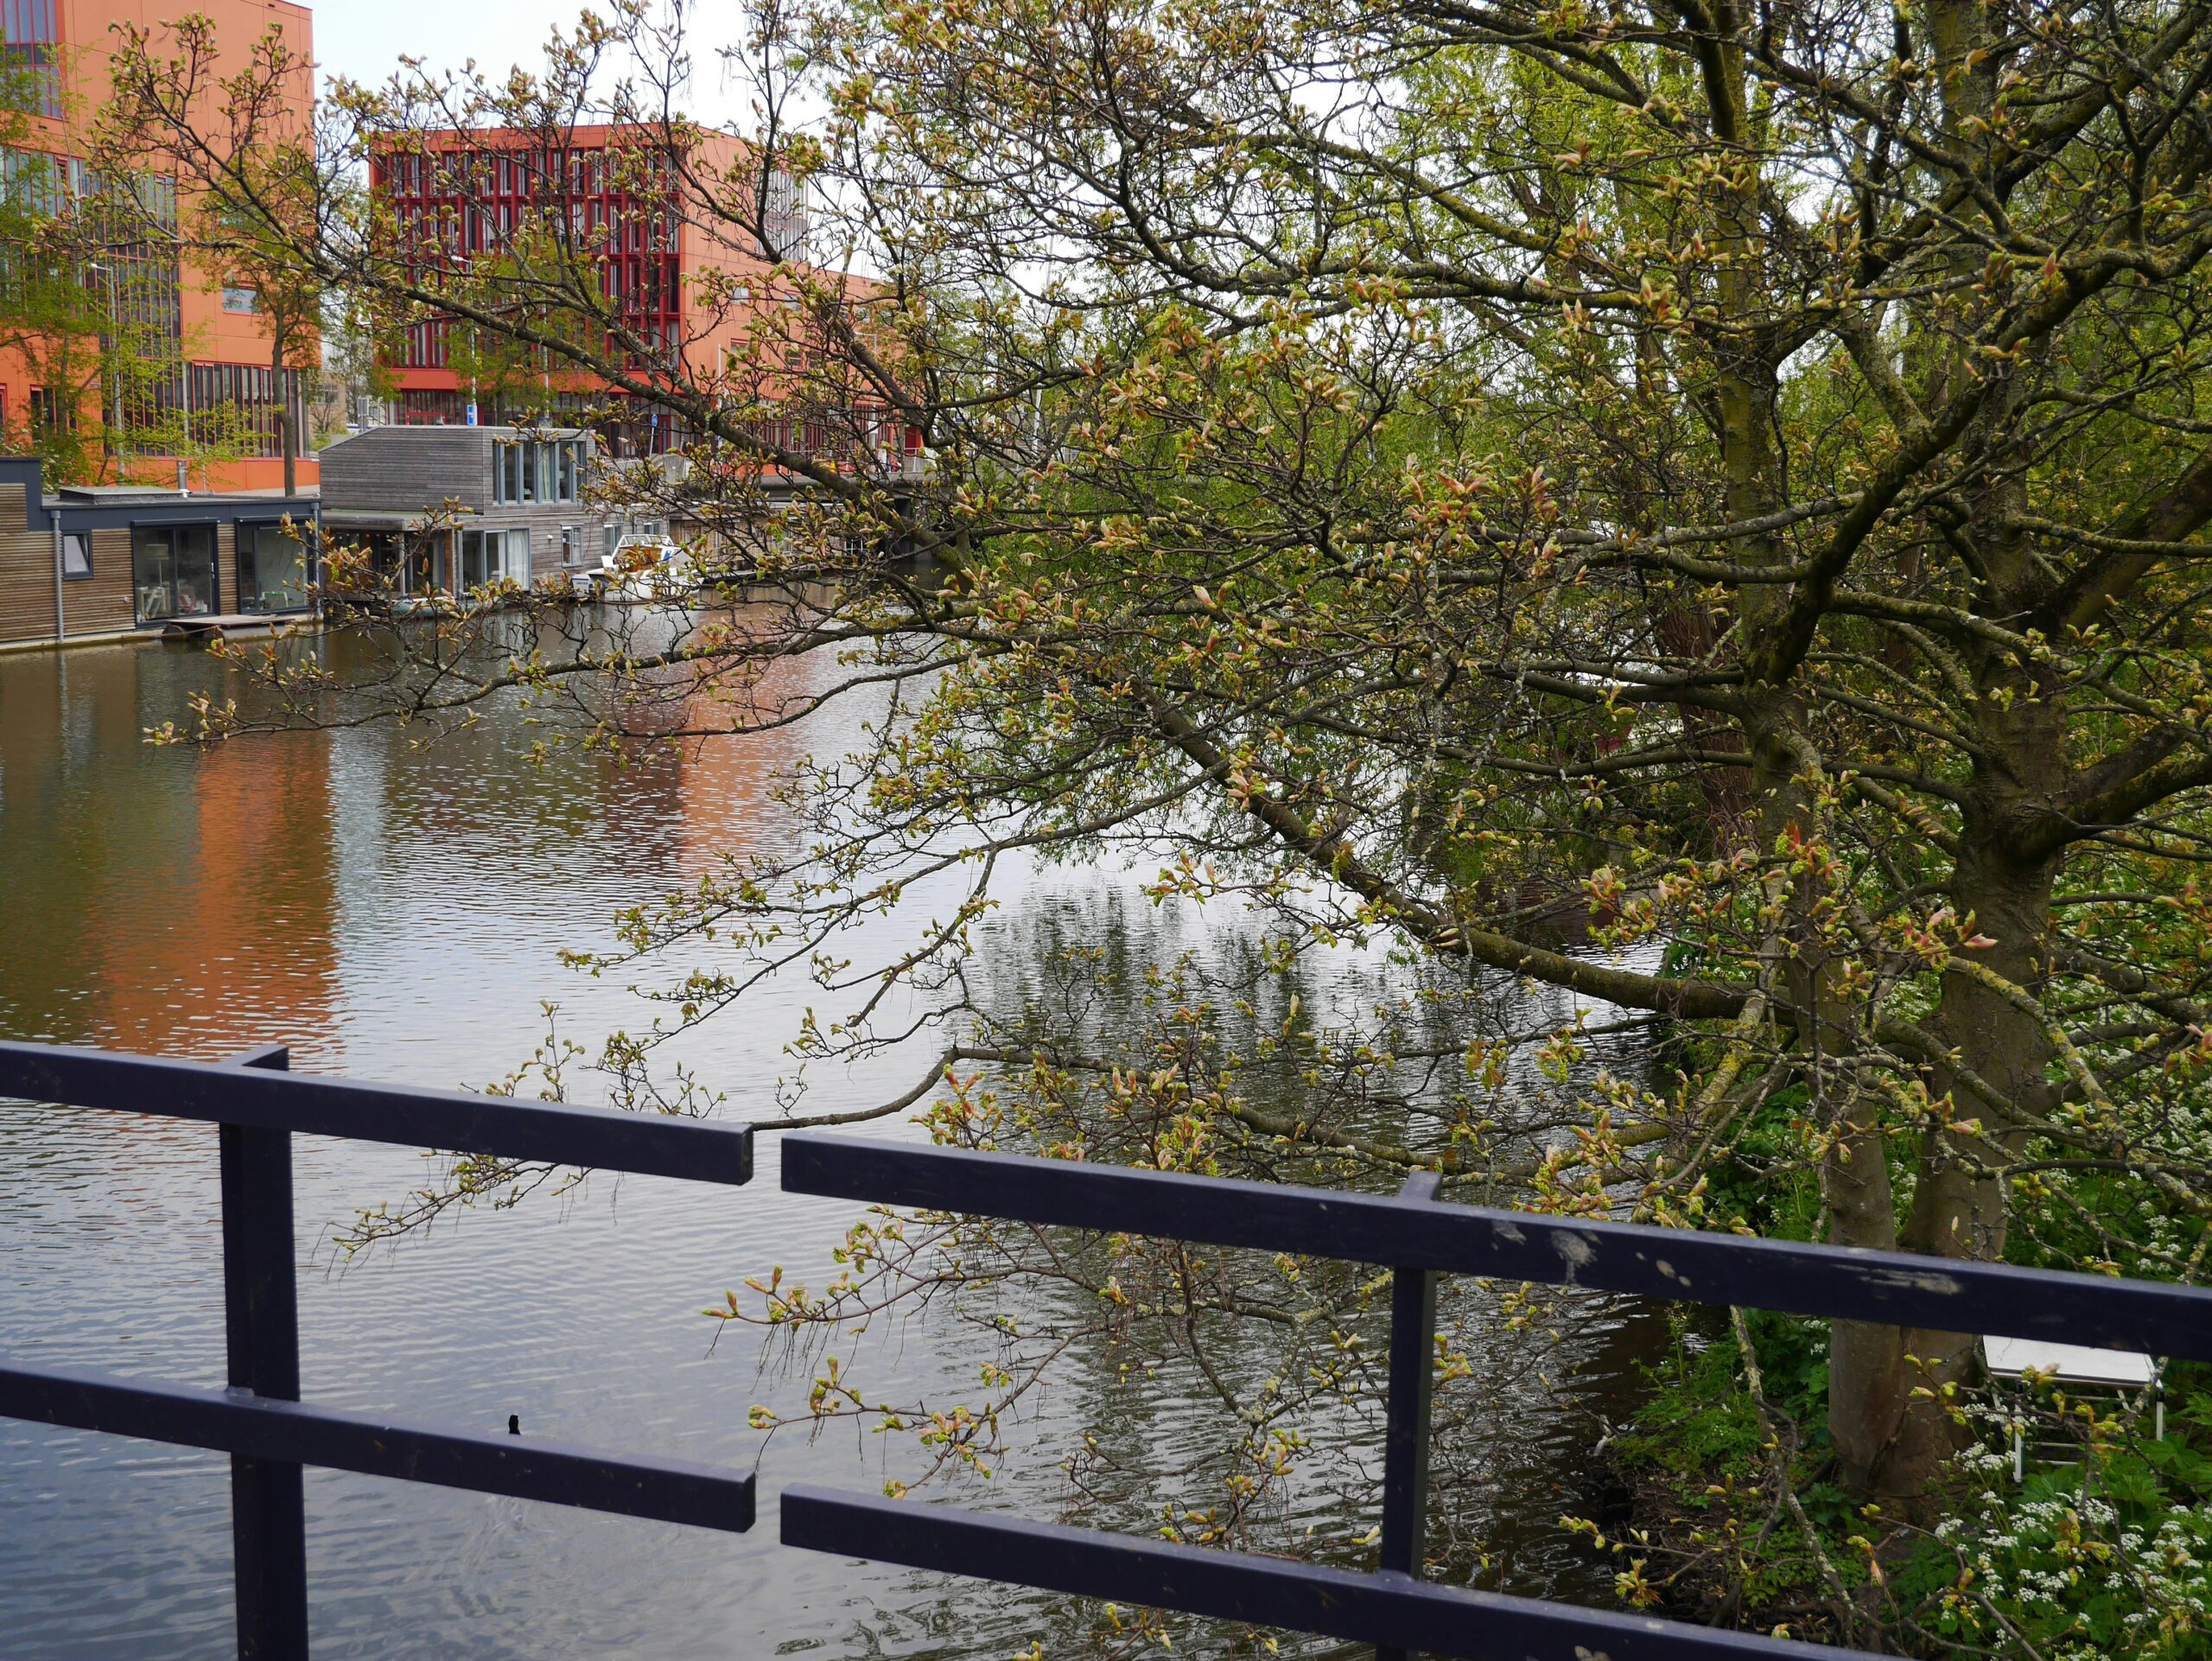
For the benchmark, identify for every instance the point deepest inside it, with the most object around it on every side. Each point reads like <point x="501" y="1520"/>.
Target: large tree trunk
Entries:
<point x="1891" y="1440"/>
<point x="1892" y="1425"/>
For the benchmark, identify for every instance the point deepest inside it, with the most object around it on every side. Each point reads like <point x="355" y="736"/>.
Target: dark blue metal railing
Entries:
<point x="271" y="1435"/>
<point x="260" y="1421"/>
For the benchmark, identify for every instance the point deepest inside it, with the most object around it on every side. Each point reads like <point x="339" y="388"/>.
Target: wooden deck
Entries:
<point x="231" y="623"/>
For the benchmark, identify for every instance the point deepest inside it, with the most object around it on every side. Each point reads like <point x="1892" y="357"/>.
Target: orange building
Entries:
<point x="611" y="195"/>
<point x="690" y="306"/>
<point x="211" y="367"/>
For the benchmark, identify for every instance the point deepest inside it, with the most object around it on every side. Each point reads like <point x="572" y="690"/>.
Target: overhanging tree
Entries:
<point x="1698" y="505"/>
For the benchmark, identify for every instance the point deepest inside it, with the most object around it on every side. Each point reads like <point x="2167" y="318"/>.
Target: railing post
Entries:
<point x="262" y="1342"/>
<point x="1406" y="1424"/>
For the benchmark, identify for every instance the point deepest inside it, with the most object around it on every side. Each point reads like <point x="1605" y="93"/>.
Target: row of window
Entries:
<point x="27" y="49"/>
<point x="51" y="184"/>
<point x="454" y="561"/>
<point x="624" y="429"/>
<point x="525" y="172"/>
<point x="830" y="434"/>
<point x="539" y="472"/>
<point x="175" y="572"/>
<point x="468" y="229"/>
<point x="450" y="561"/>
<point x="429" y="344"/>
<point x="535" y="173"/>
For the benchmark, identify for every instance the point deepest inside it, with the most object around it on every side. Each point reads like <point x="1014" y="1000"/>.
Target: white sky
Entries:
<point x="365" y="39"/>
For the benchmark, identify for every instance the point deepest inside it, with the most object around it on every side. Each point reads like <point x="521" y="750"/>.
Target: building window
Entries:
<point x="420" y="557"/>
<point x="483" y="557"/>
<point x="244" y="403"/>
<point x="51" y="412"/>
<point x="272" y="569"/>
<point x="76" y="556"/>
<point x="172" y="572"/>
<point x="27" y="40"/>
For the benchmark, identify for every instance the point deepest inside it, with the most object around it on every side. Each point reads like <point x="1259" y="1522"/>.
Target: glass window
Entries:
<point x="529" y="472"/>
<point x="384" y="560"/>
<point x="489" y="557"/>
<point x="471" y="574"/>
<point x="272" y="569"/>
<point x="173" y="571"/>
<point x="195" y="570"/>
<point x="153" y="573"/>
<point x="77" y="555"/>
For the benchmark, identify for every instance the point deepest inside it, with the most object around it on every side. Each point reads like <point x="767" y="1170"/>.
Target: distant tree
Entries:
<point x="48" y="293"/>
<point x="290" y="305"/>
<point x="241" y="228"/>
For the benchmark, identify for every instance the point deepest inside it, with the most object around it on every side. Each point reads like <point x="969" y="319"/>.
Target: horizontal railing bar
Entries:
<point x="456" y="1121"/>
<point x="1273" y="1592"/>
<point x="1944" y="1295"/>
<point x="520" y="1467"/>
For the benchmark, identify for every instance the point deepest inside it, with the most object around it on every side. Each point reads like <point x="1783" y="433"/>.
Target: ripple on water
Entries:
<point x="395" y="913"/>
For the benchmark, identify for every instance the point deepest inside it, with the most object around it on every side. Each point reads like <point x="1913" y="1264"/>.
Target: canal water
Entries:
<point x="395" y="909"/>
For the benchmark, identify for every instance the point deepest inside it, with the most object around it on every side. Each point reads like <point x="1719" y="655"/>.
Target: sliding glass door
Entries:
<point x="173" y="571"/>
<point x="272" y="569"/>
<point x="481" y="558"/>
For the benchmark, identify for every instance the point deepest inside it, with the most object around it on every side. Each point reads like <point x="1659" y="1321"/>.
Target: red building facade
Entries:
<point x="679" y="297"/>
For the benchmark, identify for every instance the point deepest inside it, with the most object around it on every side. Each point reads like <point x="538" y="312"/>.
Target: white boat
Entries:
<point x="643" y="570"/>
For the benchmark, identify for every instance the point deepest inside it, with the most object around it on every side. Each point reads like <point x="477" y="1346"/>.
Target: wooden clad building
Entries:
<point x="114" y="561"/>
<point x="449" y="509"/>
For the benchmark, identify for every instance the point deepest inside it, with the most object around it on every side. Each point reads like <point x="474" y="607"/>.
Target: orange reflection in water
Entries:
<point x="158" y="899"/>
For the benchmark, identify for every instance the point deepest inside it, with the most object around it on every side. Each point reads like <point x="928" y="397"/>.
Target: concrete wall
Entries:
<point x="407" y="470"/>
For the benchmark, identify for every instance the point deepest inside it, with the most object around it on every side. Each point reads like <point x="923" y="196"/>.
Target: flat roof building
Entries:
<point x="107" y="562"/>
<point x="443" y="508"/>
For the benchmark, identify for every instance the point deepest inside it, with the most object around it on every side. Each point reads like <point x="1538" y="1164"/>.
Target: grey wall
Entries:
<point x="418" y="469"/>
<point x="407" y="469"/>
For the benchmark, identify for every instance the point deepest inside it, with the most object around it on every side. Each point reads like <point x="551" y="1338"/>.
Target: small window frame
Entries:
<point x="76" y="556"/>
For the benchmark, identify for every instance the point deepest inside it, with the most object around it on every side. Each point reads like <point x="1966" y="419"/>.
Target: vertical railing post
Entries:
<point x="1406" y="1423"/>
<point x="262" y="1340"/>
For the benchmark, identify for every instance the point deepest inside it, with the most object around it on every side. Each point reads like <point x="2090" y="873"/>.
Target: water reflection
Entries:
<point x="395" y="909"/>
